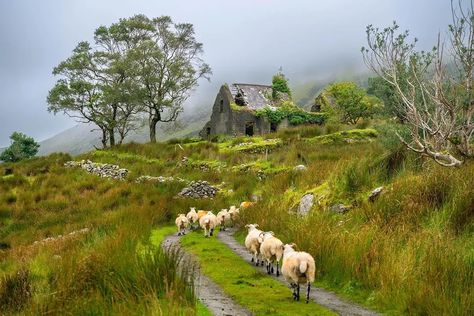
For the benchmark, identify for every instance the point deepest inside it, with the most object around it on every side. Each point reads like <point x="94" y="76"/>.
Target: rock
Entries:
<point x="339" y="208"/>
<point x="199" y="190"/>
<point x="300" y="168"/>
<point x="255" y="198"/>
<point x="161" y="179"/>
<point x="375" y="194"/>
<point x="99" y="169"/>
<point x="306" y="203"/>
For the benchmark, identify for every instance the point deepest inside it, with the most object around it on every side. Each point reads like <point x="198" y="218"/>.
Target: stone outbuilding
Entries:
<point x="234" y="111"/>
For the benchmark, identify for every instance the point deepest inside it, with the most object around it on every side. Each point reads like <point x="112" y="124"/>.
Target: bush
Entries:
<point x="294" y="114"/>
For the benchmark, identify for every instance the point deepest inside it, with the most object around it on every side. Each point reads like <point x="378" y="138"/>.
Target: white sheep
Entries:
<point x="298" y="268"/>
<point x="252" y="244"/>
<point x="222" y="217"/>
<point x="192" y="217"/>
<point x="181" y="222"/>
<point x="233" y="213"/>
<point x="271" y="250"/>
<point x="208" y="222"/>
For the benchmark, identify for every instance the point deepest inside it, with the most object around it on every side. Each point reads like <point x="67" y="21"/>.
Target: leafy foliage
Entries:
<point x="351" y="103"/>
<point x="22" y="147"/>
<point x="294" y="114"/>
<point x="280" y="85"/>
<point x="380" y="88"/>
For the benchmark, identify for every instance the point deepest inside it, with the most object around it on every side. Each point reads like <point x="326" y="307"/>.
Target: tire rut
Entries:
<point x="208" y="292"/>
<point x="320" y="296"/>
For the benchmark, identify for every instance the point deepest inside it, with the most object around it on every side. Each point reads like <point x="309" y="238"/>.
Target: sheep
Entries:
<point x="192" y="217"/>
<point x="222" y="217"/>
<point x="181" y="222"/>
<point x="201" y="213"/>
<point x="252" y="244"/>
<point x="271" y="249"/>
<point x="298" y="268"/>
<point x="208" y="222"/>
<point x="247" y="204"/>
<point x="233" y="213"/>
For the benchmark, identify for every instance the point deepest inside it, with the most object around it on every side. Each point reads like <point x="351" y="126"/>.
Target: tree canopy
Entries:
<point x="138" y="68"/>
<point x="22" y="147"/>
<point x="348" y="102"/>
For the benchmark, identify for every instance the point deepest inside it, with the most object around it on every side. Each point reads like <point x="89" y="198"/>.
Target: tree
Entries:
<point x="22" y="147"/>
<point x="167" y="66"/>
<point x="280" y="85"/>
<point x="437" y="97"/>
<point x="380" y="88"/>
<point x="350" y="102"/>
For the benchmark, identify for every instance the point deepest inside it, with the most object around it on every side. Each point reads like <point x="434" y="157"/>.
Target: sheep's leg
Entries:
<point x="293" y="288"/>
<point x="298" y="292"/>
<point x="307" y="293"/>
<point x="212" y="231"/>
<point x="252" y="260"/>
<point x="268" y="267"/>
<point x="271" y="265"/>
<point x="205" y="232"/>
<point x="278" y="271"/>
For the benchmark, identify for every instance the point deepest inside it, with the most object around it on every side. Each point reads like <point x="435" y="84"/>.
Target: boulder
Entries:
<point x="306" y="203"/>
<point x="339" y="208"/>
<point x="300" y="168"/>
<point x="375" y="194"/>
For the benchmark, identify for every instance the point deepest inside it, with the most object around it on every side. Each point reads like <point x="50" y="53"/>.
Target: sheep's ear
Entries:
<point x="247" y="226"/>
<point x="293" y="245"/>
<point x="256" y="225"/>
<point x="271" y="233"/>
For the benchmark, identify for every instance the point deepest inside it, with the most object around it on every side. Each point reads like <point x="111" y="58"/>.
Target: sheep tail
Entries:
<point x="303" y="267"/>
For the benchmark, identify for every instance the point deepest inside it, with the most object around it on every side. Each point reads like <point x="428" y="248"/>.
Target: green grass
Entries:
<point x="409" y="252"/>
<point x="252" y="289"/>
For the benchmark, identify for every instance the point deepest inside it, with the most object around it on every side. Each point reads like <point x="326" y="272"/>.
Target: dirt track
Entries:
<point x="209" y="293"/>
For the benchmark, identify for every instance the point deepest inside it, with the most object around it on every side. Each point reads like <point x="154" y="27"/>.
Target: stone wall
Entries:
<point x="225" y="120"/>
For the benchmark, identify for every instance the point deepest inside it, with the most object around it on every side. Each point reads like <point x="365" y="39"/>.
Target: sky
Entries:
<point x="244" y="41"/>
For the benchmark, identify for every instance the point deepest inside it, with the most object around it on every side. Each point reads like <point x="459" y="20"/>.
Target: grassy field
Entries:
<point x="409" y="252"/>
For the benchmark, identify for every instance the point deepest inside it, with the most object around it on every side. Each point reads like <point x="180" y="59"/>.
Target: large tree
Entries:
<point x="138" y="67"/>
<point x="167" y="66"/>
<point x="437" y="95"/>
<point x="22" y="147"/>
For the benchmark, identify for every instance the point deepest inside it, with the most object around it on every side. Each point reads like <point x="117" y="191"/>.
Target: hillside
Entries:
<point x="86" y="239"/>
<point x="84" y="137"/>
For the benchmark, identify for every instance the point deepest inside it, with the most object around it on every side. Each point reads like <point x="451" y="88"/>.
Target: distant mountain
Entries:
<point x="84" y="137"/>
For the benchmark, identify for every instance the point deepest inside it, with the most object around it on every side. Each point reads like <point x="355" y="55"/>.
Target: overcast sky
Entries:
<point x="244" y="41"/>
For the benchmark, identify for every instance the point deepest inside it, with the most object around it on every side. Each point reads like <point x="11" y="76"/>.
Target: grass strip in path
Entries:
<point x="261" y="294"/>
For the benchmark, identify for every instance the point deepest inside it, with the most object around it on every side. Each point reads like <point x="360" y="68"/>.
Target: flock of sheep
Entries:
<point x="297" y="267"/>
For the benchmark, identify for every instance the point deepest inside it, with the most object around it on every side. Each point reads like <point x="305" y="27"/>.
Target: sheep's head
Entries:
<point x="193" y="209"/>
<point x="289" y="247"/>
<point x="251" y="226"/>
<point x="232" y="207"/>
<point x="265" y="235"/>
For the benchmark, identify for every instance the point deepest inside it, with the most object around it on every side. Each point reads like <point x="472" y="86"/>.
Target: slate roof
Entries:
<point x="253" y="94"/>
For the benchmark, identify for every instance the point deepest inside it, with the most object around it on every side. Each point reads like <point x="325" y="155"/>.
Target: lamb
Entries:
<point x="222" y="217"/>
<point x="192" y="217"/>
<point x="208" y="222"/>
<point x="233" y="214"/>
<point x="181" y="222"/>
<point x="201" y="213"/>
<point x="247" y="204"/>
<point x="271" y="250"/>
<point x="252" y="244"/>
<point x="298" y="268"/>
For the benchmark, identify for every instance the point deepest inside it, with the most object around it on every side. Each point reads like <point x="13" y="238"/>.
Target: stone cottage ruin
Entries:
<point x="234" y="111"/>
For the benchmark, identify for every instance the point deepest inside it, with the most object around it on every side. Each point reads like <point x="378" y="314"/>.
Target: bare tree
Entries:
<point x="436" y="95"/>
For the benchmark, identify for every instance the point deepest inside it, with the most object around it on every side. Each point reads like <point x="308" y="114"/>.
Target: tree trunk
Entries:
<point x="112" y="137"/>
<point x="154" y="119"/>
<point x="104" y="138"/>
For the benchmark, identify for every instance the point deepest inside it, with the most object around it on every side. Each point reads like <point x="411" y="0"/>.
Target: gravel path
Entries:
<point x="320" y="296"/>
<point x="209" y="293"/>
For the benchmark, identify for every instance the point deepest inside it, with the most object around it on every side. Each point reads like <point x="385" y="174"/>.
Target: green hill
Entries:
<point x="76" y="243"/>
